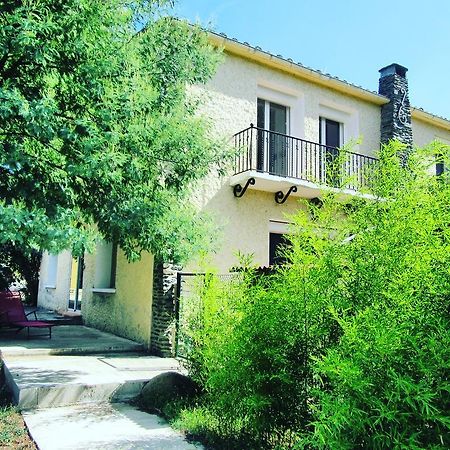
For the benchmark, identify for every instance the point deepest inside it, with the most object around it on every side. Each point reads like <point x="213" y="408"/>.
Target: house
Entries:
<point x="289" y="123"/>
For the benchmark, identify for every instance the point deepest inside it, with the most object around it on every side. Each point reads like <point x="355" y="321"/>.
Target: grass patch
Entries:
<point x="201" y="424"/>
<point x="13" y="432"/>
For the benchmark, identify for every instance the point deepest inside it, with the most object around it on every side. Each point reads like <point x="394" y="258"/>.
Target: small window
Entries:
<point x="331" y="133"/>
<point x="440" y="168"/>
<point x="105" y="265"/>
<point x="52" y="270"/>
<point x="278" y="244"/>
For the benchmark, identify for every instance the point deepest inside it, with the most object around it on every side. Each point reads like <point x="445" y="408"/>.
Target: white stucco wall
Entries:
<point x="54" y="293"/>
<point x="424" y="133"/>
<point x="127" y="311"/>
<point x="244" y="225"/>
<point x="230" y="101"/>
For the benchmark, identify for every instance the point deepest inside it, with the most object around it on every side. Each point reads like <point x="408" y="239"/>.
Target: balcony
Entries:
<point x="278" y="162"/>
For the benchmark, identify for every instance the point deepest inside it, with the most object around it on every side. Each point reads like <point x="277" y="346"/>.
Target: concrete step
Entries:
<point x="102" y="426"/>
<point x="48" y="381"/>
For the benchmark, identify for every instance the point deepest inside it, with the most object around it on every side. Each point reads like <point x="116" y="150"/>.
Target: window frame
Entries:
<point x="100" y="273"/>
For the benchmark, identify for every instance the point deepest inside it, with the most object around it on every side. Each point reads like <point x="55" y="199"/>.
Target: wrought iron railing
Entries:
<point x="287" y="156"/>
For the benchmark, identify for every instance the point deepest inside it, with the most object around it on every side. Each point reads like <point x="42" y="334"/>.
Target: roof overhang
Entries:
<point x="277" y="62"/>
<point x="427" y="117"/>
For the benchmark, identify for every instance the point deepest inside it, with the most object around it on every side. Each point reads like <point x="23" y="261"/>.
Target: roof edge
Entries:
<point x="424" y="116"/>
<point x="256" y="54"/>
<point x="278" y="62"/>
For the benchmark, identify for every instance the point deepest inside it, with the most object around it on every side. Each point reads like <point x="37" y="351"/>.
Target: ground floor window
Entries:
<point x="278" y="243"/>
<point x="105" y="265"/>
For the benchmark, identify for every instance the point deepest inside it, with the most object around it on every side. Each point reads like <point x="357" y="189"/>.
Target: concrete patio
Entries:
<point x="78" y="365"/>
<point x="66" y="339"/>
<point x="80" y="379"/>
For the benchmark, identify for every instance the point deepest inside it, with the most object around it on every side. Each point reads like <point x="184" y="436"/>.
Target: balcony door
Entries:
<point x="331" y="138"/>
<point x="272" y="143"/>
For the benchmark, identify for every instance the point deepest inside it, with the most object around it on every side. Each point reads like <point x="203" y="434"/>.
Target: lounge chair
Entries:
<point x="12" y="314"/>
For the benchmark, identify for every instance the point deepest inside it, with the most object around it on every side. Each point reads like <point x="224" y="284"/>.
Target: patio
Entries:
<point x="78" y="365"/>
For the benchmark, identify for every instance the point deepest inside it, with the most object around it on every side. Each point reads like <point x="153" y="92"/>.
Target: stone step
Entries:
<point x="48" y="381"/>
<point x="102" y="426"/>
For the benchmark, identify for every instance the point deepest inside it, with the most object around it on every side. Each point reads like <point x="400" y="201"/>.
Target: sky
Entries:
<point x="349" y="39"/>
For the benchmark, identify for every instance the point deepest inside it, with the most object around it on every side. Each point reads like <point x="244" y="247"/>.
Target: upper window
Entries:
<point x="331" y="133"/>
<point x="273" y="117"/>
<point x="278" y="244"/>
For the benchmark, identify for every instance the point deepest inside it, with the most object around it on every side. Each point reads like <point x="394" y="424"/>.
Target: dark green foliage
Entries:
<point x="18" y="265"/>
<point x="97" y="131"/>
<point x="347" y="346"/>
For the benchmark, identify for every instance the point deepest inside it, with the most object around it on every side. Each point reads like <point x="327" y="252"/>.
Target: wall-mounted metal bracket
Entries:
<point x="239" y="191"/>
<point x="281" y="198"/>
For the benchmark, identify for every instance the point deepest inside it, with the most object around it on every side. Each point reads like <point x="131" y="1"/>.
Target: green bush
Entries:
<point x="347" y="346"/>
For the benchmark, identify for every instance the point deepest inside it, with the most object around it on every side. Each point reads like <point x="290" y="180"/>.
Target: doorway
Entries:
<point x="76" y="283"/>
<point x="273" y="125"/>
<point x="331" y="138"/>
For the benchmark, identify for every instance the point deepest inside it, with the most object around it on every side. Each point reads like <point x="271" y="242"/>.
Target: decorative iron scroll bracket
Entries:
<point x="239" y="191"/>
<point x="402" y="111"/>
<point x="281" y="198"/>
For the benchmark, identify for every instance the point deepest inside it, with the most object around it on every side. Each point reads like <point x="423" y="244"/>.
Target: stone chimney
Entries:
<point x="395" y="115"/>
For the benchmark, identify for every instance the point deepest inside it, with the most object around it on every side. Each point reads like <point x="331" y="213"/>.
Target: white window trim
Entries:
<point x="267" y="114"/>
<point x="279" y="227"/>
<point x="293" y="100"/>
<point x="103" y="291"/>
<point x="348" y="117"/>
<point x="104" y="261"/>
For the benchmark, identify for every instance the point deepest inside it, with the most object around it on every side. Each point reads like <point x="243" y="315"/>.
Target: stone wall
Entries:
<point x="163" y="309"/>
<point x="395" y="115"/>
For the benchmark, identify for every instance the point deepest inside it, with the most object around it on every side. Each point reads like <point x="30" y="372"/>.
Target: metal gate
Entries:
<point x="188" y="291"/>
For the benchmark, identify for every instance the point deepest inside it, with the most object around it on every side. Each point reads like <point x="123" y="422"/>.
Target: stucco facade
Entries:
<point x="425" y="132"/>
<point x="54" y="281"/>
<point x="126" y="309"/>
<point x="230" y="101"/>
<point x="230" y="104"/>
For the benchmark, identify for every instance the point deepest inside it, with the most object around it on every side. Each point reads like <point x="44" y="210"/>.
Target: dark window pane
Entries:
<point x="332" y="133"/>
<point x="439" y="168"/>
<point x="278" y="243"/>
<point x="277" y="147"/>
<point x="278" y="118"/>
<point x="260" y="114"/>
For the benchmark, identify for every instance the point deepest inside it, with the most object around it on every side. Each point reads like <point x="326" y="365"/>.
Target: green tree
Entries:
<point x="98" y="132"/>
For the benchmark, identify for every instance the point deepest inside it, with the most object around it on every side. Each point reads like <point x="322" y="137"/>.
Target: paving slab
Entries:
<point x="66" y="339"/>
<point x="104" y="426"/>
<point x="44" y="381"/>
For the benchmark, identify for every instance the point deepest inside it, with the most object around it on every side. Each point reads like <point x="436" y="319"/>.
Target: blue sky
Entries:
<point x="349" y="39"/>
